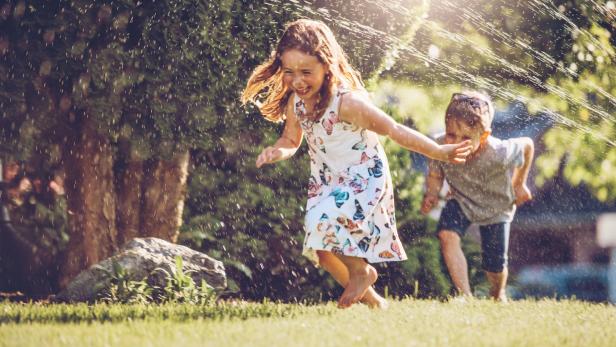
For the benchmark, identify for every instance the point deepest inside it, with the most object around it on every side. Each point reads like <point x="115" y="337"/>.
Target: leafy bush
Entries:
<point x="124" y="290"/>
<point x="180" y="288"/>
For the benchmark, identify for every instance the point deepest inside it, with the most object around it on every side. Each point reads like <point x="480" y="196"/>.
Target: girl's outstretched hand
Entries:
<point x="456" y="153"/>
<point x="268" y="155"/>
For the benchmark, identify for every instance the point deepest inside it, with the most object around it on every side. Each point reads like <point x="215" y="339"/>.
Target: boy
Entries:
<point x="485" y="190"/>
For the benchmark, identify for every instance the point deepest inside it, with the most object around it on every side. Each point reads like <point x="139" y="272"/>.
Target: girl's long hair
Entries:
<point x="266" y="89"/>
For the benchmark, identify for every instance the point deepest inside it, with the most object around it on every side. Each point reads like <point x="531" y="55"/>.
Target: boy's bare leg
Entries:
<point x="498" y="282"/>
<point x="361" y="277"/>
<point x="455" y="260"/>
<point x="340" y="273"/>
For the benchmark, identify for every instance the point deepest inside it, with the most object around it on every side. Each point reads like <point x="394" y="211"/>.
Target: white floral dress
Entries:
<point x="350" y="208"/>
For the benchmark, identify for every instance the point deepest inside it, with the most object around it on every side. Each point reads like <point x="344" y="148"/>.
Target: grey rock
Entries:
<point x="143" y="259"/>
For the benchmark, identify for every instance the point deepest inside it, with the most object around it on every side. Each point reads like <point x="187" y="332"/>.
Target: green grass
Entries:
<point x="407" y="323"/>
<point x="113" y="313"/>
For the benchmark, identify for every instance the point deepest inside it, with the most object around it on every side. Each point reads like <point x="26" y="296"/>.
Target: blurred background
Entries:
<point x="121" y="119"/>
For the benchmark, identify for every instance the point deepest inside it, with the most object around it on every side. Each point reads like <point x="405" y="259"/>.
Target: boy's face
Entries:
<point x="458" y="131"/>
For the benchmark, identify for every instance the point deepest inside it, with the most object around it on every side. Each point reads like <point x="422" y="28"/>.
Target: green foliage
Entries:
<point x="158" y="75"/>
<point x="123" y="290"/>
<point x="39" y="222"/>
<point x="161" y="76"/>
<point x="181" y="287"/>
<point x="556" y="57"/>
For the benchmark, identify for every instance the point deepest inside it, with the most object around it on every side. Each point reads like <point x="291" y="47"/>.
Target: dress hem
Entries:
<point x="311" y="254"/>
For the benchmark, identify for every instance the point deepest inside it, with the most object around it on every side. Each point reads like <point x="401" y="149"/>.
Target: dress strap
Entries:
<point x="337" y="98"/>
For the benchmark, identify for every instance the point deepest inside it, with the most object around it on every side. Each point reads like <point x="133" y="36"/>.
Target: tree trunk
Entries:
<point x="129" y="192"/>
<point x="91" y="207"/>
<point x="163" y="197"/>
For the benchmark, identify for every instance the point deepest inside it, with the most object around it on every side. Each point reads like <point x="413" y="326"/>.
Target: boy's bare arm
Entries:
<point x="434" y="183"/>
<point x="520" y="174"/>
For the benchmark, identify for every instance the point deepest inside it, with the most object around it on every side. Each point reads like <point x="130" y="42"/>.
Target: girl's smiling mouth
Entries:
<point x="303" y="91"/>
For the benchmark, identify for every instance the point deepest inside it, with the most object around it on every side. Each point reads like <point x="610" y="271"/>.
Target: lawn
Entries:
<point x="406" y="323"/>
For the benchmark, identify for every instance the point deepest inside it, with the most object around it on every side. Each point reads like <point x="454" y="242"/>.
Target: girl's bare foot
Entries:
<point x="502" y="299"/>
<point x="377" y="303"/>
<point x="358" y="285"/>
<point x="373" y="300"/>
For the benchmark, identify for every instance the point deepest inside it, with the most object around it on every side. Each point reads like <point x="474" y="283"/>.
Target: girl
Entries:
<point x="350" y="222"/>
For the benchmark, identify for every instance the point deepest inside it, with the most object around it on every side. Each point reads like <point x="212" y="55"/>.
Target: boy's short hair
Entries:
<point x="472" y="108"/>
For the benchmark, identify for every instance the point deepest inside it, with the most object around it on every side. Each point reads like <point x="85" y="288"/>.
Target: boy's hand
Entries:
<point x="456" y="153"/>
<point x="428" y="203"/>
<point x="268" y="155"/>
<point x="522" y="194"/>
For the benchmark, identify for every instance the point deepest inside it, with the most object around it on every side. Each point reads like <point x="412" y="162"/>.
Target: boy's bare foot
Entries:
<point x="499" y="295"/>
<point x="357" y="287"/>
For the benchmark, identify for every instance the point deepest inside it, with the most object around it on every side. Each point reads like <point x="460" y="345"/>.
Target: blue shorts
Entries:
<point x="494" y="237"/>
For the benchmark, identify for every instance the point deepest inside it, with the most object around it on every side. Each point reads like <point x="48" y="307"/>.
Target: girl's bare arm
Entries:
<point x="288" y="143"/>
<point x="357" y="109"/>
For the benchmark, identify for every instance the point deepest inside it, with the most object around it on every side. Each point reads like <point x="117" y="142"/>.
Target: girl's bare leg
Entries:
<point x="361" y="277"/>
<point x="339" y="271"/>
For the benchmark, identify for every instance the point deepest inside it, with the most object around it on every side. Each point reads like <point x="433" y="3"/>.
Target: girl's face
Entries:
<point x="457" y="131"/>
<point x="303" y="73"/>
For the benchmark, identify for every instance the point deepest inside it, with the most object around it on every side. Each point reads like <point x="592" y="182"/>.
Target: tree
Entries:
<point x="123" y="89"/>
